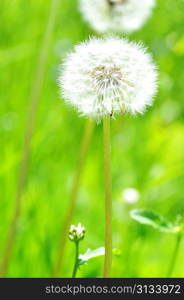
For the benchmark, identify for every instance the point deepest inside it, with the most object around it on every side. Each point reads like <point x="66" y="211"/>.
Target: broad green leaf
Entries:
<point x="89" y="254"/>
<point x="151" y="218"/>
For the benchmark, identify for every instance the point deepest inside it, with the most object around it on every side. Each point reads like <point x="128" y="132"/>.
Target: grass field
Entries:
<point x="147" y="151"/>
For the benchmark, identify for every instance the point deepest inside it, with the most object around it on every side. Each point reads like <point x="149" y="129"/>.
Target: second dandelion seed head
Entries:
<point x="108" y="76"/>
<point x="116" y="15"/>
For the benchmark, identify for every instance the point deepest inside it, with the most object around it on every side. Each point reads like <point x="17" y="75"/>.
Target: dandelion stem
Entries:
<point x="72" y="201"/>
<point x="108" y="200"/>
<point x="174" y="255"/>
<point x="76" y="264"/>
<point x="34" y="101"/>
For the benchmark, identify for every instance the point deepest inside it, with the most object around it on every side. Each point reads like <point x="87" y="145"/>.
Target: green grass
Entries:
<point x="147" y="151"/>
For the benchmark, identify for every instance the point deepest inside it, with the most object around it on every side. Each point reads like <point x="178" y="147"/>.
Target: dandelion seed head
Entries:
<point x="108" y="76"/>
<point x="116" y="15"/>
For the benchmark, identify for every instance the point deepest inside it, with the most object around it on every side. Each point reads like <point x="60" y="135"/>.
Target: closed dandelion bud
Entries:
<point x="108" y="76"/>
<point x="116" y="15"/>
<point x="76" y="233"/>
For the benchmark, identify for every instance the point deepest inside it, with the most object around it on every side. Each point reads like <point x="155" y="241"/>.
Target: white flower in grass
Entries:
<point x="130" y="195"/>
<point x="107" y="76"/>
<point x="116" y="15"/>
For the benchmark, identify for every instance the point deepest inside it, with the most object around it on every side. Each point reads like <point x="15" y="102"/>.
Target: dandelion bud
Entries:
<point x="76" y="233"/>
<point x="108" y="76"/>
<point x="116" y="15"/>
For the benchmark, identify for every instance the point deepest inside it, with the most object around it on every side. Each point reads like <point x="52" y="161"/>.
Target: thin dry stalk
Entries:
<point x="34" y="101"/>
<point x="72" y="201"/>
<point x="108" y="198"/>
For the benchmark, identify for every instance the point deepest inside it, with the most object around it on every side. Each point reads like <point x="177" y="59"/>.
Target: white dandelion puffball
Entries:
<point x="107" y="76"/>
<point x="116" y="15"/>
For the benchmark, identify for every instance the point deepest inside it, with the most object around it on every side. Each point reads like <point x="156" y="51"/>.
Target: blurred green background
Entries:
<point x="147" y="151"/>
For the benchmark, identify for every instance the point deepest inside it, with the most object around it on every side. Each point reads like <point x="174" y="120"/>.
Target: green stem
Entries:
<point x="76" y="264"/>
<point x="34" y="101"/>
<point x="108" y="200"/>
<point x="72" y="201"/>
<point x="174" y="255"/>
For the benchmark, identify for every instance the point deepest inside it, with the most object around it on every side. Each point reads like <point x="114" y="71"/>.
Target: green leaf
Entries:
<point x="151" y="218"/>
<point x="89" y="254"/>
